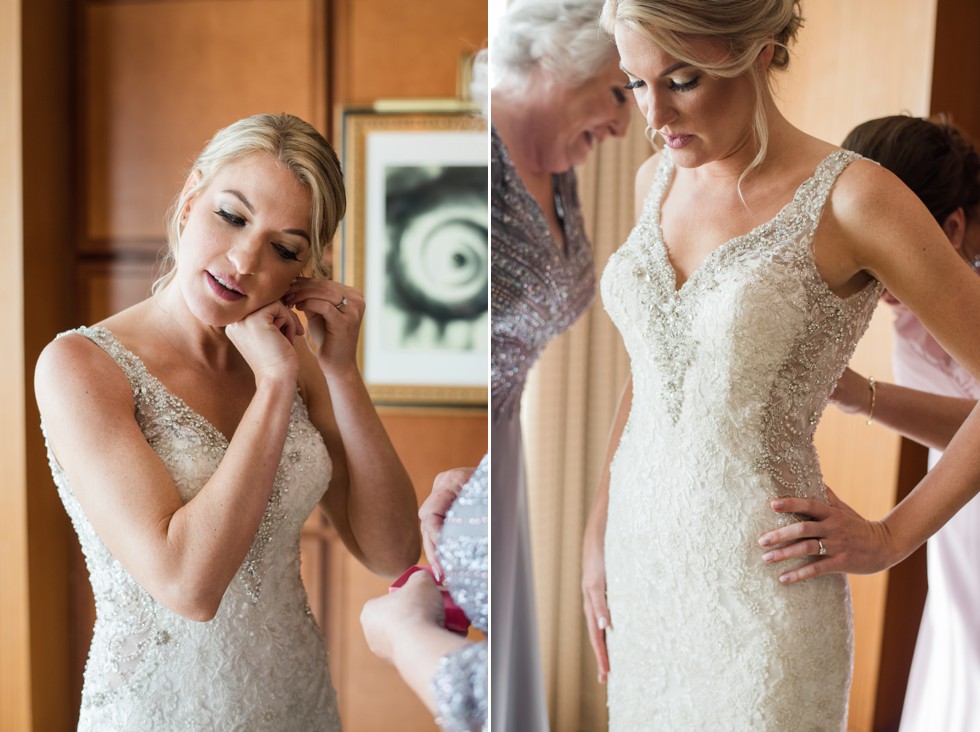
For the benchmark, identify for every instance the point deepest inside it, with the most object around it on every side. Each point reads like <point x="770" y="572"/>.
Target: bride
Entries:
<point x="754" y="267"/>
<point x="191" y="435"/>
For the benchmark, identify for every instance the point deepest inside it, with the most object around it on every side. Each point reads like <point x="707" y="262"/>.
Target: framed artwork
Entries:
<point x="415" y="241"/>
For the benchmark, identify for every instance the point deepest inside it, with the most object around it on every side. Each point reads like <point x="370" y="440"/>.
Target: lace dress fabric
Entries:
<point x="537" y="291"/>
<point x="731" y="373"/>
<point x="261" y="663"/>
<point x="460" y="683"/>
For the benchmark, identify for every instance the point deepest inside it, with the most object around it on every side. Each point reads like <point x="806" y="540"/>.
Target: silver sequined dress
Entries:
<point x="537" y="291"/>
<point x="730" y="375"/>
<point x="460" y="683"/>
<point x="261" y="663"/>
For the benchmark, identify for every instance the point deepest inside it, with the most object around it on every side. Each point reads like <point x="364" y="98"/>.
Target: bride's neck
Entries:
<point x="196" y="341"/>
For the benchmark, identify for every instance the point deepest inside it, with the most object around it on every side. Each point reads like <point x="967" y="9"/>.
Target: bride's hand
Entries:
<point x="836" y="536"/>
<point x="333" y="315"/>
<point x="594" y="598"/>
<point x="265" y="339"/>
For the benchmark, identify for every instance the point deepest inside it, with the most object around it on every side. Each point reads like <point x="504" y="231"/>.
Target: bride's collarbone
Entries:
<point x="696" y="218"/>
<point x="690" y="238"/>
<point x="220" y="397"/>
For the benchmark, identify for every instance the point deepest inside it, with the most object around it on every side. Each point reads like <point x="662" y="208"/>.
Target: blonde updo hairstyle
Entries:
<point x="743" y="27"/>
<point x="295" y="144"/>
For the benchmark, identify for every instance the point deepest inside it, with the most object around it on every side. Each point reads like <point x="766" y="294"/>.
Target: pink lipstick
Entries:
<point x="223" y="289"/>
<point x="676" y="142"/>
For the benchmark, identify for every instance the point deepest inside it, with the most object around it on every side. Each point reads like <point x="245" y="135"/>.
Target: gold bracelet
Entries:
<point x="873" y="386"/>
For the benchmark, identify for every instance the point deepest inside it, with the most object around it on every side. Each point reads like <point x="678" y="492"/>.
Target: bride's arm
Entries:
<point x="370" y="500"/>
<point x="183" y="554"/>
<point x="593" y="542"/>
<point x="886" y="232"/>
<point x="593" y="545"/>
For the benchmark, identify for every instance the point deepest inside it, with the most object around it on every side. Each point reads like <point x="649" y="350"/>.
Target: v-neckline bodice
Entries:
<point x="178" y="402"/>
<point x="718" y="252"/>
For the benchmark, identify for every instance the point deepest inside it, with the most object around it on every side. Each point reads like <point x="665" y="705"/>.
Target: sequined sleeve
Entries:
<point x="460" y="682"/>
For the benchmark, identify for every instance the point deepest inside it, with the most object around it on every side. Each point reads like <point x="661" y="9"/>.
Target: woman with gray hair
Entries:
<point x="558" y="93"/>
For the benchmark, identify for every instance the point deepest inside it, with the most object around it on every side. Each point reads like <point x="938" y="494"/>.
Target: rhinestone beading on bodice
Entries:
<point x="261" y="662"/>
<point x="731" y="372"/>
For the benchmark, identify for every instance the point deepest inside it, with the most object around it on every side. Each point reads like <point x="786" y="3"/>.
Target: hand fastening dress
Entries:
<point x="461" y="682"/>
<point x="731" y="373"/>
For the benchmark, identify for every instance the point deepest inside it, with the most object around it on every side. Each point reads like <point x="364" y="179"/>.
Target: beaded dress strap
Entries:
<point x="815" y="191"/>
<point x="130" y="364"/>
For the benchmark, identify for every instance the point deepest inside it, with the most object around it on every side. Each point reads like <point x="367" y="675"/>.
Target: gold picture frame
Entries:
<point x="415" y="241"/>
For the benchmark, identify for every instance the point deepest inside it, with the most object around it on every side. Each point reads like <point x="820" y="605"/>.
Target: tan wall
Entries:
<point x="15" y="685"/>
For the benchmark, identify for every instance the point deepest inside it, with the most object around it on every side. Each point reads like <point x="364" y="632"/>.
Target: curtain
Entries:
<point x="568" y="408"/>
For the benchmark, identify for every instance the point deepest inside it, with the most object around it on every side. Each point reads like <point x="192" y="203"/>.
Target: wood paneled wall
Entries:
<point x="37" y="201"/>
<point x="386" y="50"/>
<point x="447" y="439"/>
<point x="159" y="78"/>
<point x="956" y="64"/>
<point x="390" y="50"/>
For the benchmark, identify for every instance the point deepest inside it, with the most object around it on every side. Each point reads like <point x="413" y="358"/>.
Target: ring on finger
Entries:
<point x="340" y="305"/>
<point x="823" y="549"/>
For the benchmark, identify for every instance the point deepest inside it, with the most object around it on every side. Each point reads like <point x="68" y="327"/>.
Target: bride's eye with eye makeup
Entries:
<point x="684" y="83"/>
<point x="230" y="218"/>
<point x="286" y="253"/>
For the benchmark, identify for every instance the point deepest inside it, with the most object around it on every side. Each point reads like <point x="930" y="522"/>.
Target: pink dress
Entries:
<point x="944" y="684"/>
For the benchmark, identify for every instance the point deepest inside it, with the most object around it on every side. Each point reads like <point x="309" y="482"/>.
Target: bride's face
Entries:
<point x="700" y="117"/>
<point x="244" y="239"/>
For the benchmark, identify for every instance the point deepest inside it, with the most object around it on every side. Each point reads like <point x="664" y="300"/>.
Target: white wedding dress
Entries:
<point x="731" y="373"/>
<point x="261" y="663"/>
